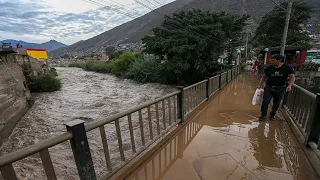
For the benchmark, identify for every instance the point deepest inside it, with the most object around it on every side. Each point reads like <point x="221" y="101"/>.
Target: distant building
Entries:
<point x="39" y="54"/>
<point x="293" y="55"/>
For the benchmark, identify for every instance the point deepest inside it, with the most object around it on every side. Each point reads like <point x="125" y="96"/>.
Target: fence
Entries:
<point x="304" y="109"/>
<point x="154" y="120"/>
<point x="229" y="76"/>
<point x="224" y="79"/>
<point x="163" y="160"/>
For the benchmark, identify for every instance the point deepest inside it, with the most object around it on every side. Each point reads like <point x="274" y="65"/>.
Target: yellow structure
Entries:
<point x="40" y="54"/>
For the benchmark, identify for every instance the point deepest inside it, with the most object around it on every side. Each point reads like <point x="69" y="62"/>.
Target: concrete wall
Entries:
<point x="14" y="95"/>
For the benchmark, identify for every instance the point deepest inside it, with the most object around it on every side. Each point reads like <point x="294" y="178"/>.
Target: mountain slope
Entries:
<point x="134" y="30"/>
<point x="49" y="46"/>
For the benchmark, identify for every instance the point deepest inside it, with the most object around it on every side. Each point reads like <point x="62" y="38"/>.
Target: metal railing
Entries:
<point x="142" y="125"/>
<point x="224" y="79"/>
<point x="304" y="110"/>
<point x="164" y="159"/>
<point x="194" y="95"/>
<point x="214" y="84"/>
<point x="229" y="76"/>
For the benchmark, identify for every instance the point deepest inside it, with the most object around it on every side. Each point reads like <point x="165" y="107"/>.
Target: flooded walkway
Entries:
<point x="226" y="141"/>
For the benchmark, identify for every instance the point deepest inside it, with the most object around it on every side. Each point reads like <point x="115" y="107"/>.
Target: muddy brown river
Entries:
<point x="85" y="95"/>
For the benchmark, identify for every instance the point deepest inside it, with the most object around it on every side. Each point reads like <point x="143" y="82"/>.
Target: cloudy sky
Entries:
<point x="67" y="21"/>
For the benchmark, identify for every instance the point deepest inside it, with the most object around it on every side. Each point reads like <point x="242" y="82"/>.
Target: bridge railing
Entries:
<point x="142" y="125"/>
<point x="165" y="158"/>
<point x="214" y="84"/>
<point x="194" y="95"/>
<point x="304" y="110"/>
<point x="229" y="75"/>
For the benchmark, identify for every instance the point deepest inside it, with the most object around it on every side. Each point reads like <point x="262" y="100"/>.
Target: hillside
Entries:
<point x="49" y="46"/>
<point x="134" y="30"/>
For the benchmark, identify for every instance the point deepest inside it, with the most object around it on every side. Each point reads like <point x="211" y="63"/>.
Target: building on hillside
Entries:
<point x="313" y="30"/>
<point x="40" y="55"/>
<point x="293" y="55"/>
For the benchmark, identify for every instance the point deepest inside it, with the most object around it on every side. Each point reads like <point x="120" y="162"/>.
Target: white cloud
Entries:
<point x="70" y="6"/>
<point x="67" y="21"/>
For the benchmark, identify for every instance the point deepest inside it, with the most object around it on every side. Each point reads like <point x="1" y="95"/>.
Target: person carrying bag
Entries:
<point x="275" y="77"/>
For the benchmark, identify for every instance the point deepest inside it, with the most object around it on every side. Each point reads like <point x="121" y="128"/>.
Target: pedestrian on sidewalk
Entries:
<point x="275" y="76"/>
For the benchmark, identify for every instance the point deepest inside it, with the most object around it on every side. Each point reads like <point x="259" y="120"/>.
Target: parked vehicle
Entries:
<point x="313" y="56"/>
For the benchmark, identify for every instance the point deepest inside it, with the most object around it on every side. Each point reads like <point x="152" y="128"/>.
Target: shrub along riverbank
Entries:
<point x="45" y="81"/>
<point x="145" y="68"/>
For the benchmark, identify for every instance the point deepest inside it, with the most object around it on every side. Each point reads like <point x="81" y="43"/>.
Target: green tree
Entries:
<point x="192" y="42"/>
<point x="65" y="56"/>
<point x="121" y="65"/>
<point x="115" y="55"/>
<point x="270" y="30"/>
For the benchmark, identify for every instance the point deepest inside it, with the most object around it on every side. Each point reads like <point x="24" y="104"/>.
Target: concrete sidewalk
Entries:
<point x="226" y="141"/>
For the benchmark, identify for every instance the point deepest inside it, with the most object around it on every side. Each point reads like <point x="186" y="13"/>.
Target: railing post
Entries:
<point x="315" y="126"/>
<point x="180" y="105"/>
<point x="232" y="75"/>
<point x="220" y="81"/>
<point x="284" y="98"/>
<point x="208" y="89"/>
<point x="181" y="144"/>
<point x="81" y="150"/>
<point x="227" y="77"/>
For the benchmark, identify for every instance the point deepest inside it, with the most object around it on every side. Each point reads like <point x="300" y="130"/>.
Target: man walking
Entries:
<point x="276" y="76"/>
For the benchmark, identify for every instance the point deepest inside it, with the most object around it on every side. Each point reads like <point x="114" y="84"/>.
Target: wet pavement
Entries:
<point x="226" y="141"/>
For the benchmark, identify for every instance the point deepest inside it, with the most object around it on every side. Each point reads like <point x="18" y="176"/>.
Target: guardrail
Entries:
<point x="171" y="151"/>
<point x="304" y="110"/>
<point x="229" y="76"/>
<point x="154" y="119"/>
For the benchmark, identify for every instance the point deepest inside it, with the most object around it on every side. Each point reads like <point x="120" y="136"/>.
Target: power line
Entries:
<point x="146" y="6"/>
<point x="278" y="5"/>
<point x="157" y="2"/>
<point x="199" y="33"/>
<point x="124" y="13"/>
<point x="111" y="8"/>
<point x="174" y="25"/>
<point x="151" y="3"/>
<point x="142" y="4"/>
<point x="122" y="7"/>
<point x="126" y="7"/>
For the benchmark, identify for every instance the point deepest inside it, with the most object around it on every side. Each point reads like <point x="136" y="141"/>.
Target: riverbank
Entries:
<point x="147" y="68"/>
<point x="14" y="96"/>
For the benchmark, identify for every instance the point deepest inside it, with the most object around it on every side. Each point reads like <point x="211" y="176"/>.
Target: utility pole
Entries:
<point x="247" y="41"/>
<point x="286" y="27"/>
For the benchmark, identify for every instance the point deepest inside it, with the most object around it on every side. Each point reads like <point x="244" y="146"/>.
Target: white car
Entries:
<point x="316" y="61"/>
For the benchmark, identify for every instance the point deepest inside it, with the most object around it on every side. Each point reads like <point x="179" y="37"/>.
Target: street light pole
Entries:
<point x="286" y="27"/>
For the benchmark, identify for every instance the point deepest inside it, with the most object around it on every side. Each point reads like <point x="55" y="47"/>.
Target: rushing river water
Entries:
<point x="85" y="95"/>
